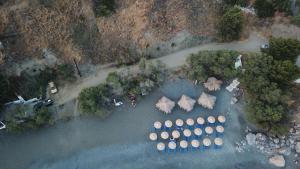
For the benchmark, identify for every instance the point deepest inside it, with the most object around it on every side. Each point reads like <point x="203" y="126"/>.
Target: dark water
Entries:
<point x="121" y="141"/>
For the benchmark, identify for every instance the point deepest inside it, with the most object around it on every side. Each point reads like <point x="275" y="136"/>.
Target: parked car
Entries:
<point x="53" y="88"/>
<point x="48" y="102"/>
<point x="265" y="46"/>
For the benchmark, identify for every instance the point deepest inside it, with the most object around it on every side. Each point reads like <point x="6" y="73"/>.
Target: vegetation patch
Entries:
<point x="284" y="49"/>
<point x="231" y="25"/>
<point x="104" y="7"/>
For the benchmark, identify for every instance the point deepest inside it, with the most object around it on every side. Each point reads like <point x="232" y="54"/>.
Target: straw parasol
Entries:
<point x="172" y="145"/>
<point x="175" y="134"/>
<point x="179" y="122"/>
<point x="200" y="120"/>
<point x="221" y="119"/>
<point x="213" y="84"/>
<point x="187" y="132"/>
<point x="195" y="143"/>
<point x="220" y="129"/>
<point x="207" y="100"/>
<point x="206" y="142"/>
<point x="190" y="122"/>
<point x="166" y="105"/>
<point x="160" y="146"/>
<point x="168" y="123"/>
<point x="183" y="144"/>
<point x="209" y="130"/>
<point x="153" y="136"/>
<point x="218" y="141"/>
<point x="211" y="119"/>
<point x="157" y="125"/>
<point x="164" y="135"/>
<point x="197" y="131"/>
<point x="186" y="103"/>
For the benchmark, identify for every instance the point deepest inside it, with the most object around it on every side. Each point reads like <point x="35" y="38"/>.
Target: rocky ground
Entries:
<point x="277" y="148"/>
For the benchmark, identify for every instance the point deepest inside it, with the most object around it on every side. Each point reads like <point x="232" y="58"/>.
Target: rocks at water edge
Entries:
<point x="297" y="147"/>
<point x="250" y="139"/>
<point x="277" y="160"/>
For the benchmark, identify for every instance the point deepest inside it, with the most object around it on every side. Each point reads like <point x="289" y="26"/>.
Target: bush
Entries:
<point x="231" y="25"/>
<point x="283" y="6"/>
<point x="95" y="101"/>
<point x="219" y="64"/>
<point x="104" y="7"/>
<point x="296" y="20"/>
<point x="236" y="2"/>
<point x="65" y="72"/>
<point x="264" y="8"/>
<point x="283" y="49"/>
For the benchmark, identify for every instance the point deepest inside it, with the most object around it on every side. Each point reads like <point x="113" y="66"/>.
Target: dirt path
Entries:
<point x="71" y="91"/>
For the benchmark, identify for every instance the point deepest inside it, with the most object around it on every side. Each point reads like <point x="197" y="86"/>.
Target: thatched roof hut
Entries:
<point x="186" y="103"/>
<point x="166" y="105"/>
<point x="213" y="84"/>
<point x="207" y="101"/>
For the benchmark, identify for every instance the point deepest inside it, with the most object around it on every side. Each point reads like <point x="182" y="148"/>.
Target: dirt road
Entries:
<point x="71" y="91"/>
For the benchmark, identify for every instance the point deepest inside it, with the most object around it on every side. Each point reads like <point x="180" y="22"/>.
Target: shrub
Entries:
<point x="296" y="20"/>
<point x="95" y="101"/>
<point x="264" y="8"/>
<point x="283" y="49"/>
<point x="65" y="72"/>
<point x="236" y="2"/>
<point x="219" y="64"/>
<point x="283" y="6"/>
<point x="231" y="25"/>
<point x="104" y="7"/>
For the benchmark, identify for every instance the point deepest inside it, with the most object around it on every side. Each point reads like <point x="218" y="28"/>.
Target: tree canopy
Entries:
<point x="282" y="49"/>
<point x="264" y="8"/>
<point x="231" y="25"/>
<point x="104" y="7"/>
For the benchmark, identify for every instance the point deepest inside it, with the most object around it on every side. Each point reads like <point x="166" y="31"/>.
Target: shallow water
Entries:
<point x="121" y="141"/>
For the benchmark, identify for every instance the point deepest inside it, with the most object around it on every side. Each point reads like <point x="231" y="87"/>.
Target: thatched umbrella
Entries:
<point x="190" y="122"/>
<point x="153" y="136"/>
<point x="195" y="143"/>
<point x="213" y="84"/>
<point x="209" y="130"/>
<point x="172" y="145"/>
<point x="197" y="131"/>
<point x="175" y="134"/>
<point x="200" y="121"/>
<point x="207" y="101"/>
<point x="168" y="123"/>
<point x="183" y="144"/>
<point x="221" y="119"/>
<point x="160" y="146"/>
<point x="220" y="129"/>
<point x="186" y="103"/>
<point x="157" y="125"/>
<point x="206" y="142"/>
<point x="211" y="120"/>
<point x="179" y="122"/>
<point x="166" y="105"/>
<point x="164" y="135"/>
<point x="187" y="132"/>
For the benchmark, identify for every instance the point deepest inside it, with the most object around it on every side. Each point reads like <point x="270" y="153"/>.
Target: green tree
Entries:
<point x="236" y="2"/>
<point x="95" y="100"/>
<point x="231" y="25"/>
<point x="283" y="6"/>
<point x="104" y="7"/>
<point x="4" y="90"/>
<point x="42" y="117"/>
<point x="296" y="20"/>
<point x="283" y="49"/>
<point x="264" y="8"/>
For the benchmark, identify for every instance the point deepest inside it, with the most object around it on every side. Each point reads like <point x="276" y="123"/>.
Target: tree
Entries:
<point x="95" y="100"/>
<point x="104" y="7"/>
<point x="42" y="117"/>
<point x="283" y="6"/>
<point x="4" y="90"/>
<point x="296" y="20"/>
<point x="282" y="49"/>
<point x="231" y="25"/>
<point x="236" y="2"/>
<point x="264" y="8"/>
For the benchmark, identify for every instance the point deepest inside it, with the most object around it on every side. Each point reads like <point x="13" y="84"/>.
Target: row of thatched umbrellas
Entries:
<point x="183" y="144"/>
<point x="166" y="105"/>
<point x="200" y="121"/>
